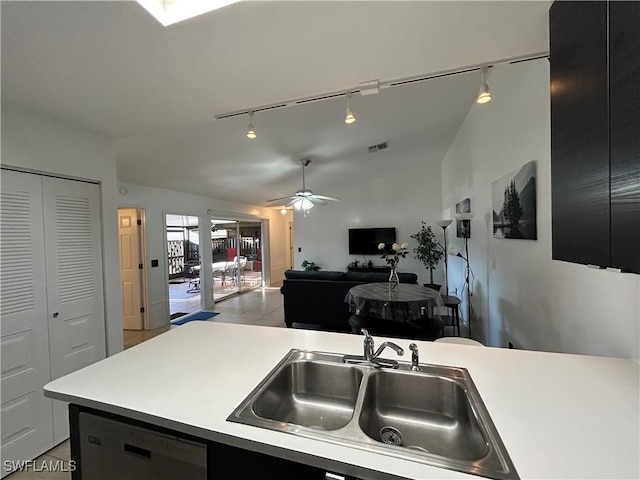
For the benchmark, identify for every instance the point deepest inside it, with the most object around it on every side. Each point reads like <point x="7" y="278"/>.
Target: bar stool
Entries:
<point x="453" y="304"/>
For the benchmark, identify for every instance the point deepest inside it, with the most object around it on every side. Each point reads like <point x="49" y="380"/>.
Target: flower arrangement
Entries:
<point x="397" y="251"/>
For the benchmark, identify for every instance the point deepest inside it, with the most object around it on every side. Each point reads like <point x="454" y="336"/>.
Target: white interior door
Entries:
<point x="130" y="281"/>
<point x="73" y="253"/>
<point x="27" y="424"/>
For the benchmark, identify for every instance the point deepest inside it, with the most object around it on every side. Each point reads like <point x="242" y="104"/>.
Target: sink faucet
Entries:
<point x="368" y="345"/>
<point x="415" y="359"/>
<point x="371" y="357"/>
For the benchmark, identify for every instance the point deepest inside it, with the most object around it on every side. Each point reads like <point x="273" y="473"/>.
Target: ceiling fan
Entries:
<point x="304" y="199"/>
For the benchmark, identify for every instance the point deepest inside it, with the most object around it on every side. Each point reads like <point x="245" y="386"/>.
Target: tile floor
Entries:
<point x="55" y="459"/>
<point x="183" y="298"/>
<point x="263" y="306"/>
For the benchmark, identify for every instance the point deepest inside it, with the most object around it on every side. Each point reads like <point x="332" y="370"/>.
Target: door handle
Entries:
<point x="55" y="314"/>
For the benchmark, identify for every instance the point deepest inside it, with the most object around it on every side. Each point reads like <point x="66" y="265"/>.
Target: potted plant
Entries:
<point x="429" y="252"/>
<point x="310" y="266"/>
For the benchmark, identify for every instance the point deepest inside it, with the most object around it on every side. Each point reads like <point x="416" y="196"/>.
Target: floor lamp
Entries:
<point x="465" y="218"/>
<point x="444" y="224"/>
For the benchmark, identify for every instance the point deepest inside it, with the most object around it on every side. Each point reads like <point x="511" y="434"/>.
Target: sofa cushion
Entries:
<point x="319" y="275"/>
<point x="377" y="277"/>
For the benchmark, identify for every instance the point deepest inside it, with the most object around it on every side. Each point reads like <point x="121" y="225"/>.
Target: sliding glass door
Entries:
<point x="237" y="256"/>
<point x="250" y="254"/>
<point x="224" y="244"/>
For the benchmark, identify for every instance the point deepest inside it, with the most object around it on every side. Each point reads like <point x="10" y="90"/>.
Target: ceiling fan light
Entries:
<point x="303" y="203"/>
<point x="306" y="204"/>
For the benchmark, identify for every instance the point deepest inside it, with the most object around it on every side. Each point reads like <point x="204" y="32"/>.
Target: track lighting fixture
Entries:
<point x="251" y="133"/>
<point x="484" y="95"/>
<point x="374" y="86"/>
<point x="350" y="117"/>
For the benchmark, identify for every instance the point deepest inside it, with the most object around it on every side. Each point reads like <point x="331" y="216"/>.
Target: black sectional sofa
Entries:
<point x="316" y="299"/>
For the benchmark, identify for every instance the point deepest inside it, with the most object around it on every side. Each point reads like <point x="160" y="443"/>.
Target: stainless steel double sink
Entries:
<point x="433" y="416"/>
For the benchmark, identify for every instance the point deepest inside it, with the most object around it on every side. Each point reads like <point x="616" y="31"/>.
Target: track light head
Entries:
<point x="251" y="134"/>
<point x="349" y="117"/>
<point x="484" y="95"/>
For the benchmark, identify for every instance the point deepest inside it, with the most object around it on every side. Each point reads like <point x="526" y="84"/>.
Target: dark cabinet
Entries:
<point x="624" y="100"/>
<point x="595" y="133"/>
<point x="105" y="446"/>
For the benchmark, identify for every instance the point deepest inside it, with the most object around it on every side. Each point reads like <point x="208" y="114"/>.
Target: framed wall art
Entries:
<point x="462" y="230"/>
<point x="513" y="199"/>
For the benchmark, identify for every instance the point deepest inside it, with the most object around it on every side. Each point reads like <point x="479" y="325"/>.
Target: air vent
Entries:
<point x="380" y="146"/>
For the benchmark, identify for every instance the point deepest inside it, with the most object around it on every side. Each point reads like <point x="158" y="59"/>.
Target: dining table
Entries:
<point x="215" y="267"/>
<point x="409" y="302"/>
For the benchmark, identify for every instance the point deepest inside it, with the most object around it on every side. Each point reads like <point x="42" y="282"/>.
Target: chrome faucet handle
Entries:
<point x="368" y="345"/>
<point x="415" y="359"/>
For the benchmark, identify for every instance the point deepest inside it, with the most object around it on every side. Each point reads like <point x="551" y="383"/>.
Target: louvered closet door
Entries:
<point x="27" y="425"/>
<point x="74" y="280"/>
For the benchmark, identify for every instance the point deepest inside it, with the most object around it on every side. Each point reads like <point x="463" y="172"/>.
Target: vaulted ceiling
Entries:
<point x="111" y="68"/>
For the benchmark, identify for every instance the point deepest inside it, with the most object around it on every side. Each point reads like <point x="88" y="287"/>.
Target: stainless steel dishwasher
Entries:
<point x="111" y="450"/>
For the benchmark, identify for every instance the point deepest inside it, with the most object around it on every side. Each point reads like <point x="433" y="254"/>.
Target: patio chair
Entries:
<point x="192" y="275"/>
<point x="219" y="273"/>
<point x="242" y="262"/>
<point x="228" y="273"/>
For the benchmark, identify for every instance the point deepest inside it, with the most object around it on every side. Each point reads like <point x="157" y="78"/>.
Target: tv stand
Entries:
<point x="368" y="269"/>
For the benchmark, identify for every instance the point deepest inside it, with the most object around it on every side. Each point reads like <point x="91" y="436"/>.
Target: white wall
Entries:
<point x="158" y="202"/>
<point x="400" y="196"/>
<point x="520" y="294"/>
<point x="43" y="144"/>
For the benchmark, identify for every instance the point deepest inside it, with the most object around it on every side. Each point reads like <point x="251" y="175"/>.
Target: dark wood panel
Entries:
<point x="624" y="104"/>
<point x="579" y="132"/>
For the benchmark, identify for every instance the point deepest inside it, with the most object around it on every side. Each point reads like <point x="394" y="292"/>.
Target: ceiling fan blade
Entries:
<point x="282" y="199"/>
<point x="324" y="197"/>
<point x="316" y="201"/>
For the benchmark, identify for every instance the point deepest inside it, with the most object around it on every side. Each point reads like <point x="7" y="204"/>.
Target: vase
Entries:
<point x="394" y="281"/>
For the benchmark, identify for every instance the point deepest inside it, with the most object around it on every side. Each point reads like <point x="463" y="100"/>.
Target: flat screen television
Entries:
<point x="364" y="241"/>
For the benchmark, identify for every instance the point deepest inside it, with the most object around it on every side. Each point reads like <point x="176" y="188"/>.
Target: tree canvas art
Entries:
<point x="463" y="229"/>
<point x="514" y="204"/>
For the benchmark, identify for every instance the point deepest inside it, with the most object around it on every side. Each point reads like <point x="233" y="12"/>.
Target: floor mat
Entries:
<point x="194" y="316"/>
<point x="177" y="315"/>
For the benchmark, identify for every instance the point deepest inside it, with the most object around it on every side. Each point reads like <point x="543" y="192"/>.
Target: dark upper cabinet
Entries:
<point x="624" y="99"/>
<point x="595" y="133"/>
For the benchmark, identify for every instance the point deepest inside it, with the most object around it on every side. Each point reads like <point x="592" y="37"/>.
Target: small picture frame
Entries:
<point x="463" y="231"/>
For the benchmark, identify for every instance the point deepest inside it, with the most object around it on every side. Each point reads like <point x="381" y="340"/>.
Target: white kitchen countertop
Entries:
<point x="559" y="416"/>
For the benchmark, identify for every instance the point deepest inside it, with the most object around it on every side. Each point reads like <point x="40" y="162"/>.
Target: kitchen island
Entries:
<point x="559" y="416"/>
